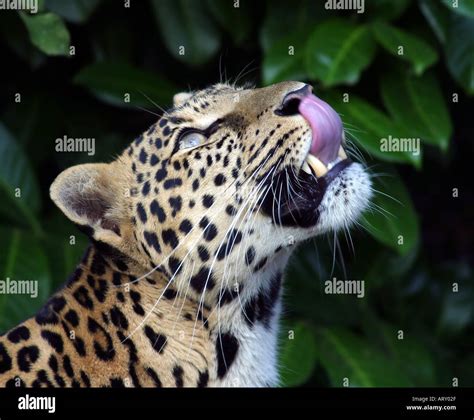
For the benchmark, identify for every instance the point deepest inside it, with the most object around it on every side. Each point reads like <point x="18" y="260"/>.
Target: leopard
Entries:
<point x="190" y="231"/>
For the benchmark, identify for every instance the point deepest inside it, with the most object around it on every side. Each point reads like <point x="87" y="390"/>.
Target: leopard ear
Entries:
<point x="181" y="98"/>
<point x="91" y="195"/>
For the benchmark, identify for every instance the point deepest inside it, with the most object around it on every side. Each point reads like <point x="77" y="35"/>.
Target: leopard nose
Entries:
<point x="291" y="101"/>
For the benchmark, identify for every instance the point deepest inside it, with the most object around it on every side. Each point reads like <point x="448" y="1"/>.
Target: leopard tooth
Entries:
<point x="342" y="153"/>
<point x="318" y="167"/>
<point x="306" y="168"/>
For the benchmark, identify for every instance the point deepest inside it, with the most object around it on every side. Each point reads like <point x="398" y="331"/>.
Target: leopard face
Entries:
<point x="225" y="182"/>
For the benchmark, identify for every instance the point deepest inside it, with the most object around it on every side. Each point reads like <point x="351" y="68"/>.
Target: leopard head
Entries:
<point x="221" y="187"/>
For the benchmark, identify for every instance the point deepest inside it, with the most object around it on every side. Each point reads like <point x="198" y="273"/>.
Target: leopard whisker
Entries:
<point x="206" y="213"/>
<point x="165" y="113"/>
<point x="169" y="282"/>
<point x="220" y="298"/>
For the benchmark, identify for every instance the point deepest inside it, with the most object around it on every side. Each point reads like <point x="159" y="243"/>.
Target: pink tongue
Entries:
<point x="326" y="126"/>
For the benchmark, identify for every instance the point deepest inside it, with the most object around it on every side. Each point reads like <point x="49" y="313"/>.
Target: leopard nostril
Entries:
<point x="291" y="101"/>
<point x="288" y="107"/>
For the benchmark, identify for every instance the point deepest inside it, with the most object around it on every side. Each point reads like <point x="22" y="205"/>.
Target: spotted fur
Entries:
<point x="181" y="284"/>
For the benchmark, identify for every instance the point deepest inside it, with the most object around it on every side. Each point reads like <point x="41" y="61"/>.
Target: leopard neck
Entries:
<point x="231" y="343"/>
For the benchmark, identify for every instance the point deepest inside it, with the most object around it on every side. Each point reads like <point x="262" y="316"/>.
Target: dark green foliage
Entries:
<point x="92" y="68"/>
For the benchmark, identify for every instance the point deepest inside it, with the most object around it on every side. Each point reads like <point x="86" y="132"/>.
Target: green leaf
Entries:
<point x="112" y="82"/>
<point x="437" y="17"/>
<point x="297" y="355"/>
<point x="12" y="31"/>
<point x="383" y="267"/>
<point x="392" y="219"/>
<point x="48" y="33"/>
<point x="406" y="46"/>
<point x="19" y="190"/>
<point x="369" y="127"/>
<point x="41" y="6"/>
<point x="237" y="21"/>
<point x="21" y="258"/>
<point x="417" y="103"/>
<point x="186" y="24"/>
<point x="463" y="7"/>
<point x="285" y="59"/>
<point x="457" y="309"/>
<point x="338" y="51"/>
<point x="310" y="267"/>
<point x="348" y="357"/>
<point x="76" y="11"/>
<point x="407" y="352"/>
<point x="460" y="51"/>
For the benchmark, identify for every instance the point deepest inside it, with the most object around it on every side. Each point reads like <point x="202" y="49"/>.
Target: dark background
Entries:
<point x="410" y="329"/>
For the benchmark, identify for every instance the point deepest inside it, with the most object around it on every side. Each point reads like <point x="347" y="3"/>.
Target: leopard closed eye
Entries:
<point x="190" y="230"/>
